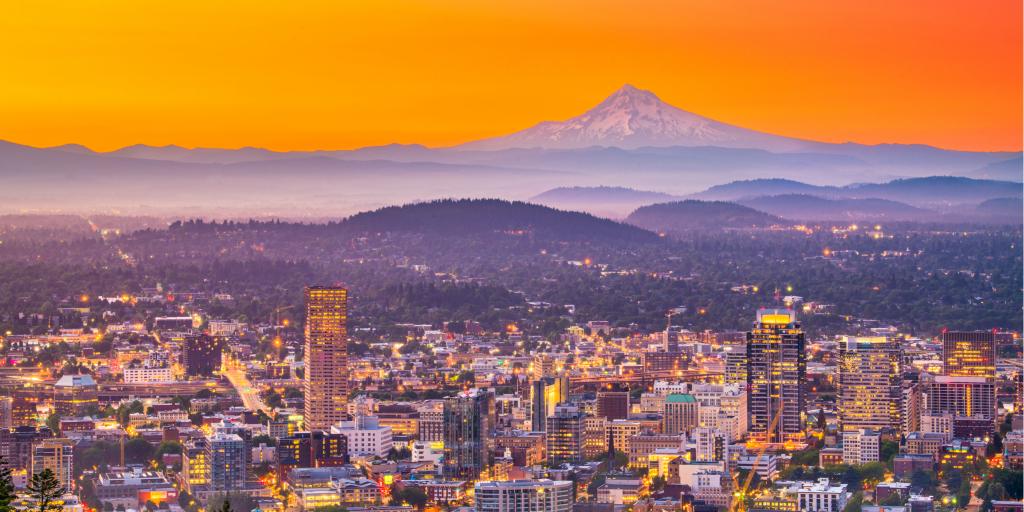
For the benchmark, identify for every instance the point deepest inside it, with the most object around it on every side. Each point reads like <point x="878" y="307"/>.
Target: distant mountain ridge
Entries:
<point x="812" y="208"/>
<point x="931" y="190"/>
<point x="631" y="139"/>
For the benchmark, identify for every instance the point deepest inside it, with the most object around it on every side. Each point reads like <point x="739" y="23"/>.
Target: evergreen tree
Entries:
<point x="46" y="491"/>
<point x="7" y="495"/>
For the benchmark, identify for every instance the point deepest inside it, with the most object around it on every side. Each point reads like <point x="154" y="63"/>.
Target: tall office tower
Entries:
<point x="970" y="400"/>
<point x="911" y="406"/>
<point x="544" y="366"/>
<point x="545" y="394"/>
<point x="670" y="339"/>
<point x="57" y="455"/>
<point x="595" y="436"/>
<point x="226" y="460"/>
<point x="468" y="434"/>
<point x="776" y="368"/>
<point x="680" y="413"/>
<point x="431" y="424"/>
<point x="326" y="381"/>
<point x="969" y="354"/>
<point x="613" y="404"/>
<point x="565" y="435"/>
<point x="870" y="378"/>
<point x="736" y="364"/>
<point x="201" y="355"/>
<point x="6" y="412"/>
<point x="524" y="496"/>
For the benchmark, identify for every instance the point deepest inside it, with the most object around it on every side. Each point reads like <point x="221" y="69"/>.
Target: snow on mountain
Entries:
<point x="632" y="118"/>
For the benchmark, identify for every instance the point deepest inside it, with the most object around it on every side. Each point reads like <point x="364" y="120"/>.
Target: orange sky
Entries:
<point x="327" y="75"/>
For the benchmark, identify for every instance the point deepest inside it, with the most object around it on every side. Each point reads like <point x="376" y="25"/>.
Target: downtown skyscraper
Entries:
<point x="776" y="368"/>
<point x="870" y="383"/>
<point x="326" y="357"/>
<point x="969" y="354"/>
<point x="469" y="419"/>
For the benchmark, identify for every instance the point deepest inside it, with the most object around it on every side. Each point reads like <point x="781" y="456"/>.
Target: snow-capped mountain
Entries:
<point x="632" y="118"/>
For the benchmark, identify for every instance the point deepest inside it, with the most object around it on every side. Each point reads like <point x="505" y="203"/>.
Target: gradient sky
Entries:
<point x="332" y="75"/>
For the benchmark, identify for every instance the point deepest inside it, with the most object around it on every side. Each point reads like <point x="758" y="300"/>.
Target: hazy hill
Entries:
<point x="473" y="216"/>
<point x="930" y="191"/>
<point x="936" y="190"/>
<point x="692" y="215"/>
<point x="806" y="207"/>
<point x="614" y="202"/>
<point x="1008" y="210"/>
<point x="763" y="187"/>
<point x="1010" y="170"/>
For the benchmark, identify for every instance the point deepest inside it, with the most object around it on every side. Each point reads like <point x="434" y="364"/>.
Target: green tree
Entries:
<point x="172" y="447"/>
<point x="657" y="483"/>
<point x="889" y="450"/>
<point x="855" y="502"/>
<point x="414" y="496"/>
<point x="6" y="487"/>
<point x="924" y="481"/>
<point x="53" y="422"/>
<point x="126" y="410"/>
<point x="893" y="499"/>
<point x="138" y="451"/>
<point x="46" y="491"/>
<point x="953" y="480"/>
<point x="263" y="439"/>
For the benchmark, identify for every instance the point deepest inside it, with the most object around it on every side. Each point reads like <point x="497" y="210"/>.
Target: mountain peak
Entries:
<point x="631" y="118"/>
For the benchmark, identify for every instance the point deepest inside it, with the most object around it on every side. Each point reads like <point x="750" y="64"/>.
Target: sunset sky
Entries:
<point x="332" y="75"/>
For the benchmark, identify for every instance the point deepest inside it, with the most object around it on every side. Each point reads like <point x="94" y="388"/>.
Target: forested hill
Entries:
<point x="693" y="215"/>
<point x="452" y="217"/>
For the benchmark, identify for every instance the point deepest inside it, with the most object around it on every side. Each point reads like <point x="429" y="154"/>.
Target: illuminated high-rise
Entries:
<point x="870" y="384"/>
<point x="776" y="368"/>
<point x="545" y="394"/>
<point x="971" y="401"/>
<point x="468" y="434"/>
<point x="969" y="354"/>
<point x="565" y="435"/>
<point x="57" y="455"/>
<point x="326" y="358"/>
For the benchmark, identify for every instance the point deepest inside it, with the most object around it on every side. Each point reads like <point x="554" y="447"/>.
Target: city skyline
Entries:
<point x="422" y="256"/>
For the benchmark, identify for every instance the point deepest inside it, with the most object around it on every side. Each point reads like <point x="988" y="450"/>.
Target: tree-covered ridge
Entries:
<point x="700" y="215"/>
<point x="454" y="217"/>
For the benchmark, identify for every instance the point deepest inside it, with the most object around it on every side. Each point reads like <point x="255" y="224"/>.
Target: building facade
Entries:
<point x="468" y="434"/>
<point x="776" y="370"/>
<point x="325" y="387"/>
<point x="524" y="496"/>
<point x="870" y="383"/>
<point x="565" y="435"/>
<point x="969" y="354"/>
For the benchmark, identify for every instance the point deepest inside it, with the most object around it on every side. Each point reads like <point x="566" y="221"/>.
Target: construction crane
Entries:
<point x="738" y="504"/>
